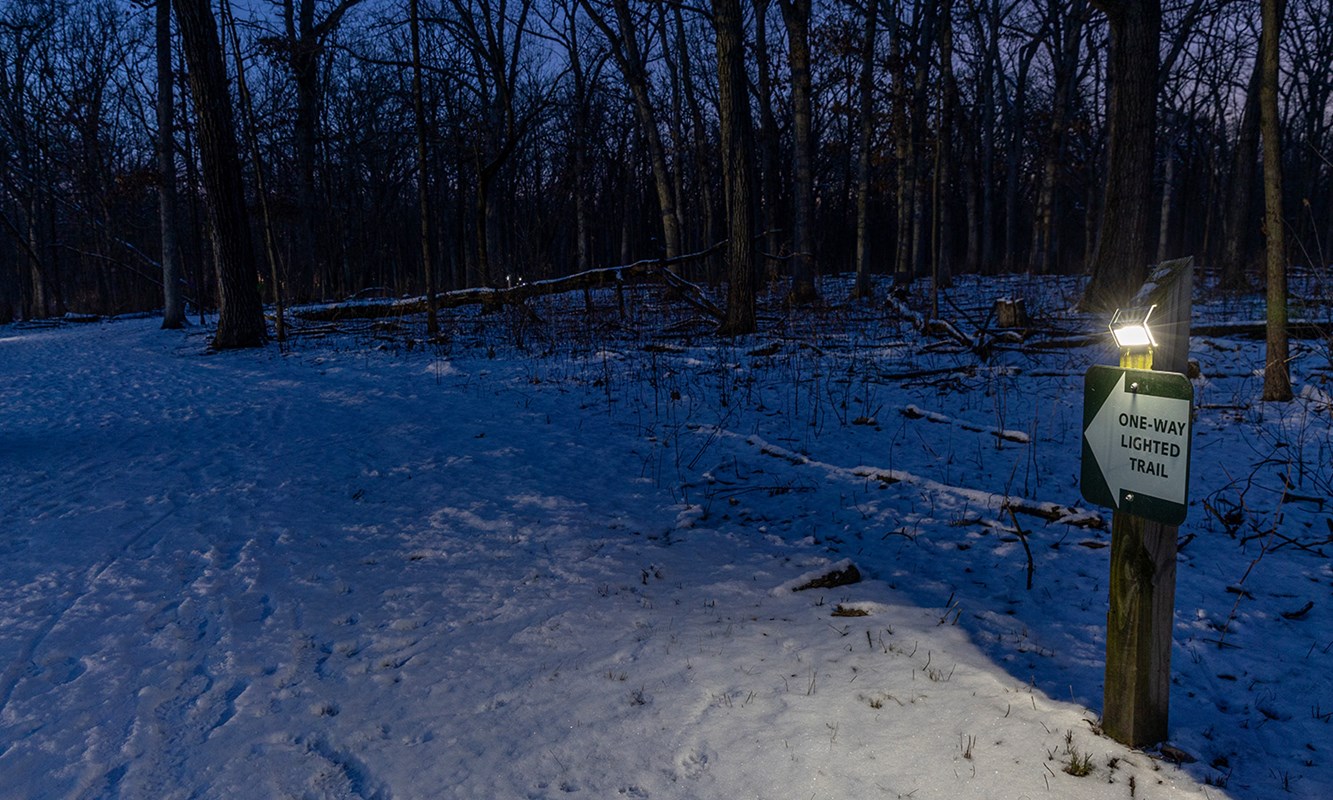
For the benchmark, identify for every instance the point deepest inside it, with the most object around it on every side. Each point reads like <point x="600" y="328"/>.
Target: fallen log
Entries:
<point x="650" y="271"/>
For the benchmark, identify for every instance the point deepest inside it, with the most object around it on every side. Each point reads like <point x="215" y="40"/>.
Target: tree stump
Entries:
<point x="1011" y="313"/>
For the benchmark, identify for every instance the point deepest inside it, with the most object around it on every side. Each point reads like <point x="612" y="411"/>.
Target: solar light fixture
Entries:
<point x="1130" y="328"/>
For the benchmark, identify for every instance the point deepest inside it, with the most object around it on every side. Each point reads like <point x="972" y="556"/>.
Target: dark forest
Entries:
<point x="400" y="146"/>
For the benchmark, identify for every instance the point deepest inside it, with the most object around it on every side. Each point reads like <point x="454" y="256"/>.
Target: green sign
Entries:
<point x="1136" y="442"/>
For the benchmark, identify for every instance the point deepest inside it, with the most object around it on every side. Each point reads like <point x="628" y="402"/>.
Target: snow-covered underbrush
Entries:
<point x="556" y="553"/>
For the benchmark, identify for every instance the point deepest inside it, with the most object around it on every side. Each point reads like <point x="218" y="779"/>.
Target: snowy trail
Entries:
<point x="216" y="542"/>
<point x="340" y="575"/>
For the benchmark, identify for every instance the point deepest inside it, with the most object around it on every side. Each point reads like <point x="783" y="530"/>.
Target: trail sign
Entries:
<point x="1136" y="442"/>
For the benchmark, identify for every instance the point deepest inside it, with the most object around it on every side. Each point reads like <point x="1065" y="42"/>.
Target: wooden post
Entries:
<point x="1136" y="698"/>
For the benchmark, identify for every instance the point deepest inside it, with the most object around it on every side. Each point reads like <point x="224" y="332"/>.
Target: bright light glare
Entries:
<point x="1133" y="336"/>
<point x="1130" y="328"/>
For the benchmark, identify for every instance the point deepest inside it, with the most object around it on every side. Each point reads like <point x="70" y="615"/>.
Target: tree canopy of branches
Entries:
<point x="528" y="139"/>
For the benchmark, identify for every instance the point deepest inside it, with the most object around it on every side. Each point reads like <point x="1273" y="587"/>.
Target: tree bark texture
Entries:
<point x="240" y="314"/>
<point x="1124" y="248"/>
<point x="1277" y="371"/>
<point x="737" y="165"/>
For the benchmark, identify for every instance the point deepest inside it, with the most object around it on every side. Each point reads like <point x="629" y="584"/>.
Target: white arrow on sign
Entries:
<point x="1141" y="444"/>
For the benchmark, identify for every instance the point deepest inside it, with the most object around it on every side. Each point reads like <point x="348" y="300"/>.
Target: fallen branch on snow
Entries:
<point x="651" y="271"/>
<point x="1051" y="512"/>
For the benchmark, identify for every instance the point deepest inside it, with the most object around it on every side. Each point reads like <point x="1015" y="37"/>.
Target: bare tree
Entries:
<point x="301" y="49"/>
<point x="628" y="55"/>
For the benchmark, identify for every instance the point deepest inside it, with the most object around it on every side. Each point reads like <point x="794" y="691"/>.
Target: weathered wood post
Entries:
<point x="1139" y="623"/>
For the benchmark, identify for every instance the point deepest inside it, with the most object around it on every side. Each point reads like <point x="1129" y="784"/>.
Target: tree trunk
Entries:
<point x="1124" y="245"/>
<point x="1277" y="371"/>
<point x="240" y="315"/>
<point x="866" y="93"/>
<point x="1168" y="191"/>
<point x="675" y="63"/>
<point x="625" y="49"/>
<point x="1238" y="227"/>
<point x="303" y="58"/>
<point x="1014" y="155"/>
<point x="942" y="277"/>
<point x="768" y="144"/>
<point x="701" y="148"/>
<point x="920" y="100"/>
<point x="983" y="258"/>
<point x="578" y="144"/>
<point x="737" y="165"/>
<point x="423" y="173"/>
<point x="304" y="48"/>
<point x="173" y="305"/>
<point x="796" y="17"/>
<point x="902" y="155"/>
<point x="261" y="189"/>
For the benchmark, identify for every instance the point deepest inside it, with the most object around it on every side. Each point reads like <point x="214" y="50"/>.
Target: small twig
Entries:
<point x="1023" y="537"/>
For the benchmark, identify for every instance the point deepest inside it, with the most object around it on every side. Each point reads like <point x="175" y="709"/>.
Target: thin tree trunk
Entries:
<point x="921" y="85"/>
<point x="423" y="174"/>
<point x="768" y="140"/>
<point x="866" y="93"/>
<point x="942" y="277"/>
<point x="972" y="201"/>
<point x="303" y="58"/>
<point x="625" y="49"/>
<point x="1168" y="191"/>
<point x="796" y="16"/>
<point x="902" y="154"/>
<point x="675" y="63"/>
<point x="194" y="191"/>
<point x="1240" y="225"/>
<point x="1277" y="371"/>
<point x="173" y="305"/>
<point x="1014" y="154"/>
<point x="768" y="144"/>
<point x="578" y="145"/>
<point x="701" y="147"/>
<point x="984" y="257"/>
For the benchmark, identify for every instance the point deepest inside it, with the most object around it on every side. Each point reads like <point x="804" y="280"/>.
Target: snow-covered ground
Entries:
<point x="358" y="569"/>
